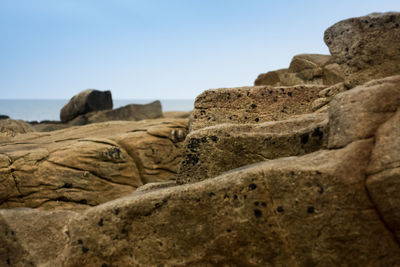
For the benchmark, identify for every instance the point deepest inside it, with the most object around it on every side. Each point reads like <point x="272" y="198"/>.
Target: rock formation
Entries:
<point x="366" y="47"/>
<point x="84" y="102"/>
<point x="85" y="166"/>
<point x="304" y="69"/>
<point x="262" y="180"/>
<point x="132" y="112"/>
<point x="9" y="127"/>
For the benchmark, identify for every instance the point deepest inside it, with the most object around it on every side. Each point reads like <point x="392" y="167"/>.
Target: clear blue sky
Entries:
<point x="53" y="49"/>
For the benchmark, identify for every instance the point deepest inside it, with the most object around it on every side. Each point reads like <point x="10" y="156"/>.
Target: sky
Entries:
<point x="165" y="49"/>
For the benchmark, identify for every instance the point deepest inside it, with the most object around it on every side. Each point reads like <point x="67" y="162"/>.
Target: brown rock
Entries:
<point x="132" y="112"/>
<point x="366" y="48"/>
<point x="357" y="113"/>
<point x="210" y="151"/>
<point x="299" y="211"/>
<point x="252" y="104"/>
<point x="304" y="69"/>
<point x="85" y="166"/>
<point x="84" y="102"/>
<point x="177" y="114"/>
<point x="10" y="128"/>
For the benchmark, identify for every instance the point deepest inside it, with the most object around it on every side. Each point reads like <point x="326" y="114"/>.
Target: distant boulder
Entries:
<point x="132" y="112"/>
<point x="3" y="117"/>
<point x="10" y="128"/>
<point x="84" y="102"/>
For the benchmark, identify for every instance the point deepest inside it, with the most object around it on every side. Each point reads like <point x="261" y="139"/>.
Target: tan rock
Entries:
<point x="298" y="211"/>
<point x="367" y="47"/>
<point x="357" y="113"/>
<point x="84" y="166"/>
<point x="10" y="128"/>
<point x="177" y="114"/>
<point x="210" y="151"/>
<point x="252" y="104"/>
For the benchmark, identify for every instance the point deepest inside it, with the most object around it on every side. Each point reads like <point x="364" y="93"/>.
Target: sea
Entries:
<point x="49" y="109"/>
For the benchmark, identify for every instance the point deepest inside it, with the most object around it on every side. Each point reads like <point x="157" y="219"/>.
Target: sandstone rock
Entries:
<point x="311" y="210"/>
<point x="366" y="47"/>
<point x="357" y="113"/>
<point x="84" y="166"/>
<point x="84" y="102"/>
<point x="10" y="128"/>
<point x="132" y="112"/>
<point x="210" y="151"/>
<point x="304" y="69"/>
<point x="177" y="114"/>
<point x="33" y="238"/>
<point x="252" y="104"/>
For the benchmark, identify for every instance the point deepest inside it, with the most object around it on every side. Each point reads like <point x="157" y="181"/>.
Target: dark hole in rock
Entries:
<point x="8" y="261"/>
<point x="100" y="223"/>
<point x="211" y="194"/>
<point x="252" y="186"/>
<point x="253" y="106"/>
<point x="80" y="241"/>
<point x="317" y="132"/>
<point x="124" y="231"/>
<point x="214" y="138"/>
<point x="263" y="204"/>
<point x="235" y="197"/>
<point x="257" y="213"/>
<point x="204" y="139"/>
<point x="280" y="209"/>
<point x="226" y="196"/>
<point x="82" y="201"/>
<point x="304" y="138"/>
<point x="257" y="119"/>
<point x="310" y="209"/>
<point x="256" y="203"/>
<point x="67" y="185"/>
<point x="291" y="172"/>
<point x="116" y="211"/>
<point x="85" y="249"/>
<point x="290" y="94"/>
<point x="228" y="230"/>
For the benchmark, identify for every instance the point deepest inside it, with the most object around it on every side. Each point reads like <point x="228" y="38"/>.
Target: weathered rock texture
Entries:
<point x="10" y="128"/>
<point x="132" y="112"/>
<point x="210" y="151"/>
<point x="84" y="102"/>
<point x="304" y="69"/>
<point x="84" y="166"/>
<point x="252" y="104"/>
<point x="366" y="47"/>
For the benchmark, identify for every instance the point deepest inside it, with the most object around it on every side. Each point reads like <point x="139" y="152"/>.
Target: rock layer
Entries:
<point x="67" y="170"/>
<point x="252" y="104"/>
<point x="210" y="151"/>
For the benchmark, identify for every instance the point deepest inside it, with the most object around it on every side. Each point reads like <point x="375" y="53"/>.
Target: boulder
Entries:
<point x="84" y="166"/>
<point x="3" y="117"/>
<point x="210" y="151"/>
<point x="132" y="112"/>
<point x="367" y="47"/>
<point x="10" y="128"/>
<point x="311" y="210"/>
<point x="84" y="102"/>
<point x="250" y="105"/>
<point x="304" y="69"/>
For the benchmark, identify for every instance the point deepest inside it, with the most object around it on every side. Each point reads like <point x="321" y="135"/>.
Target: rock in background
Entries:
<point x="84" y="102"/>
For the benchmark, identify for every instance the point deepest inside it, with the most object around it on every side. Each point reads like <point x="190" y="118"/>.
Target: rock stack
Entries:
<point x="301" y="170"/>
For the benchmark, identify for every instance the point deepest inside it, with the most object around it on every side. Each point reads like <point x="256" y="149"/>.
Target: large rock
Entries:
<point x="132" y="112"/>
<point x="304" y="69"/>
<point x="84" y="166"/>
<point x="210" y="151"/>
<point x="84" y="102"/>
<point x="10" y="128"/>
<point x="3" y="117"/>
<point x="366" y="47"/>
<point x="252" y="104"/>
<point x="312" y="210"/>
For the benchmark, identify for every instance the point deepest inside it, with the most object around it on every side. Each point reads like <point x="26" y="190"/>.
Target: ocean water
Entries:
<point x="49" y="109"/>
